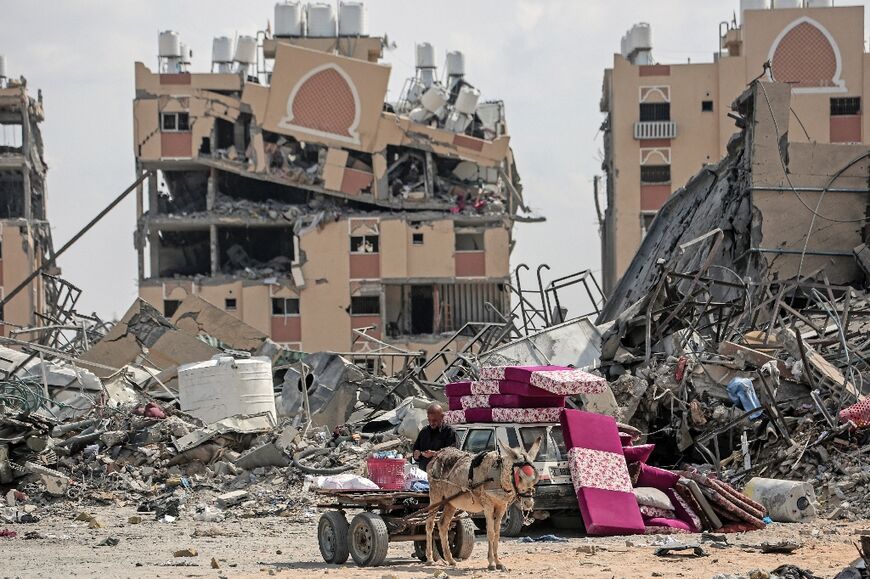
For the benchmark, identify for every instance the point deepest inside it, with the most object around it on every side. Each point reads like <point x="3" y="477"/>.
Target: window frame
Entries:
<point x="417" y="239"/>
<point x="655" y="181"/>
<point x="491" y="440"/>
<point x="845" y="106"/>
<point x="231" y="308"/>
<point x="655" y="112"/>
<point x="176" y="123"/>
<point x="284" y="301"/>
<point x="704" y="106"/>
<point x="371" y="300"/>
<point x="376" y="244"/>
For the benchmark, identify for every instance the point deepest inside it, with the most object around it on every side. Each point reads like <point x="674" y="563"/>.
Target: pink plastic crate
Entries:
<point x="387" y="473"/>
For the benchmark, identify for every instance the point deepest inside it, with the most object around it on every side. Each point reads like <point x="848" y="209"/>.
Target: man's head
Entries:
<point x="435" y="414"/>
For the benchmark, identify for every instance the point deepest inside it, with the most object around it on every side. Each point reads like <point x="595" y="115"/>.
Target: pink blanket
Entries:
<point x="504" y="401"/>
<point x="483" y="387"/>
<point x="554" y="379"/>
<point x="524" y="415"/>
<point x="600" y="475"/>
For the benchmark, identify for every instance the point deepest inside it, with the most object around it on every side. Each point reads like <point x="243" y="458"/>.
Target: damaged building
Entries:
<point x="664" y="122"/>
<point x="284" y="189"/>
<point x="25" y="236"/>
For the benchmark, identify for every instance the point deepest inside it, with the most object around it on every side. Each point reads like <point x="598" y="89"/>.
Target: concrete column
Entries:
<point x="215" y="250"/>
<point x="153" y="241"/>
<point x="139" y="240"/>
<point x="211" y="190"/>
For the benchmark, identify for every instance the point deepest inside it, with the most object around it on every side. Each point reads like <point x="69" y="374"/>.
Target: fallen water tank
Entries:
<point x="786" y="501"/>
<point x="224" y="386"/>
<point x="466" y="100"/>
<point x="434" y="98"/>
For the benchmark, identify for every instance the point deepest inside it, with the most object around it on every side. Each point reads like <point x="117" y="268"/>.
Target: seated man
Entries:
<point x="434" y="436"/>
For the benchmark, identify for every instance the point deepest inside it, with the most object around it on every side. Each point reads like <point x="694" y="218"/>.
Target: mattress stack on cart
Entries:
<point x="518" y="394"/>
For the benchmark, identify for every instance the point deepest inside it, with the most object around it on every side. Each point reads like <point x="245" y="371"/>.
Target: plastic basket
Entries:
<point x="387" y="473"/>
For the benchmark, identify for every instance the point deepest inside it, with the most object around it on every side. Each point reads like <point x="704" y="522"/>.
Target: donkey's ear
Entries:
<point x="506" y="450"/>
<point x="536" y="446"/>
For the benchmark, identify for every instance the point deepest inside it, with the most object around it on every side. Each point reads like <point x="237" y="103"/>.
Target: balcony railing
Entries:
<point x="655" y="130"/>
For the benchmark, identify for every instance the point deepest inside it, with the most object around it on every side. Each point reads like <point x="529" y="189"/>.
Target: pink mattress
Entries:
<point x="600" y="475"/>
<point x="554" y="379"/>
<point x="524" y="415"/>
<point x="482" y="387"/>
<point x="504" y="401"/>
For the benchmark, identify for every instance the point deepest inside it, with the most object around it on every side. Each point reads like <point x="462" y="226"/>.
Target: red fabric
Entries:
<point x="625" y="439"/>
<point x="638" y="453"/>
<point x="670" y="523"/>
<point x="858" y="413"/>
<point x="658" y="478"/>
<point x="555" y="379"/>
<point x="683" y="511"/>
<point x="504" y="401"/>
<point x="522" y="415"/>
<point x="604" y="511"/>
<point x="458" y="389"/>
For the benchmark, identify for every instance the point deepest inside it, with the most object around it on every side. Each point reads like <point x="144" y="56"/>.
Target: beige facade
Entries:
<point x="25" y="237"/>
<point x="301" y="202"/>
<point x="666" y="122"/>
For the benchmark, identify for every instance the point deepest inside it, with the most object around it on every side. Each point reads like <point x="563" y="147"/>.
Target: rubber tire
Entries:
<point x="372" y="525"/>
<point x="512" y="522"/>
<point x="461" y="539"/>
<point x="340" y="528"/>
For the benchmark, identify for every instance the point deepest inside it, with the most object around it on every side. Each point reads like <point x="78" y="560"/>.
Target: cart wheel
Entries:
<point x="462" y="543"/>
<point x="460" y="537"/>
<point x="369" y="540"/>
<point x="332" y="537"/>
<point x="512" y="522"/>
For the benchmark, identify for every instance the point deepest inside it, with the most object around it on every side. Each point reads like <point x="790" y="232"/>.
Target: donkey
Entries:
<point x="487" y="482"/>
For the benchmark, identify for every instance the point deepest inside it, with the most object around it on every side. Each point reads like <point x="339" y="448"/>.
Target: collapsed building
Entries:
<point x="25" y="236"/>
<point x="283" y="187"/>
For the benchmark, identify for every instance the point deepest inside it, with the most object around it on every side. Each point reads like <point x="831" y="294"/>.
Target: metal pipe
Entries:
<point x="808" y="189"/>
<point x="799" y="252"/>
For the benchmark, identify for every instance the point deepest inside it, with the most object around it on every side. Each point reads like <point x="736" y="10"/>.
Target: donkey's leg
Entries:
<point x="430" y="526"/>
<point x="488" y="514"/>
<point x="499" y="510"/>
<point x="444" y="530"/>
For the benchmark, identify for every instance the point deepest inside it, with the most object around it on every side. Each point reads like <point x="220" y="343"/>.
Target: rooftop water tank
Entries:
<point x="788" y="3"/>
<point x="289" y="19"/>
<point x="455" y="63"/>
<point x="434" y="98"/>
<point x="820" y="3"/>
<point x="352" y="19"/>
<point x="321" y="20"/>
<point x="754" y="5"/>
<point x="466" y="100"/>
<point x="2" y="66"/>
<point x="222" y="50"/>
<point x="246" y="50"/>
<point x="169" y="44"/>
<point x="425" y="55"/>
<point x="640" y="37"/>
<point x="223" y="387"/>
<point x="186" y="53"/>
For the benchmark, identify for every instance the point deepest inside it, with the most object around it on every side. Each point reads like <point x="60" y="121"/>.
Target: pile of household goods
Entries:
<point x="385" y="470"/>
<point x="618" y="493"/>
<point x="518" y="394"/>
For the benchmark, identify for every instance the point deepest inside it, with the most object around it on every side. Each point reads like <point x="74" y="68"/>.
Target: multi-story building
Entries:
<point x="25" y="237"/>
<point x="665" y="122"/>
<point x="284" y="189"/>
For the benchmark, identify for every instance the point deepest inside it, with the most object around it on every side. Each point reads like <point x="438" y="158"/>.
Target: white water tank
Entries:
<point x="223" y="387"/>
<point x="222" y="50"/>
<point x="321" y="20"/>
<point x="246" y="50"/>
<point x="455" y="63"/>
<point x="434" y="98"/>
<point x="788" y="3"/>
<point x="2" y="66"/>
<point x="425" y="55"/>
<point x="820" y="3"/>
<point x="466" y="100"/>
<point x="352" y="19"/>
<point x="640" y="37"/>
<point x="186" y="53"/>
<point x="754" y="5"/>
<point x="169" y="44"/>
<point x="289" y="19"/>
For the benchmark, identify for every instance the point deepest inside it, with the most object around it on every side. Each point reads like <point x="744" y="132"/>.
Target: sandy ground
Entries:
<point x="260" y="547"/>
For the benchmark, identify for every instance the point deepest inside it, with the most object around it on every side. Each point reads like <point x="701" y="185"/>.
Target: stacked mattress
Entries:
<point x="518" y="394"/>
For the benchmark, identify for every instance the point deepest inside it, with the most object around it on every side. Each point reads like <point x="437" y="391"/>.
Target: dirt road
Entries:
<point x="260" y="547"/>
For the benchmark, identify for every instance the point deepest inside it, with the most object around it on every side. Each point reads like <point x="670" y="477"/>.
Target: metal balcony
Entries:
<point x="655" y="130"/>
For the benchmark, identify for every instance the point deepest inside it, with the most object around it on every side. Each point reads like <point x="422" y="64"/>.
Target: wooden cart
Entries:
<point x="386" y="517"/>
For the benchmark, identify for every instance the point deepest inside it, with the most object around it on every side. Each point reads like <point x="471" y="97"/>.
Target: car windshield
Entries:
<point x="552" y="447"/>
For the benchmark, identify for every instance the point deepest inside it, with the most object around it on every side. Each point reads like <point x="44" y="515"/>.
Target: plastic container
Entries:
<point x="387" y="473"/>
<point x="223" y="387"/>
<point x="786" y="501"/>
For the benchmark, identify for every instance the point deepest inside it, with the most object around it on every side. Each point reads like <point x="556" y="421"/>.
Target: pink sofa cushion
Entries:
<point x="504" y="401"/>
<point x="638" y="453"/>
<point x="556" y="379"/>
<point x="659" y="478"/>
<point x="522" y="415"/>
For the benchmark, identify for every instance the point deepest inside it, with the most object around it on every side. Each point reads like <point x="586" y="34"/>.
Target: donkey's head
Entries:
<point x="517" y="466"/>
